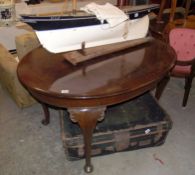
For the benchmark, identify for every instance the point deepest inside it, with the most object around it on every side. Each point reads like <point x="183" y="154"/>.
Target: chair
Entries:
<point x="8" y="66"/>
<point x="173" y="9"/>
<point x="183" y="42"/>
<point x="8" y="72"/>
<point x="177" y="17"/>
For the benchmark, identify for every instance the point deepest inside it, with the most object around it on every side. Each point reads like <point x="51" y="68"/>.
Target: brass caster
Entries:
<point x="88" y="168"/>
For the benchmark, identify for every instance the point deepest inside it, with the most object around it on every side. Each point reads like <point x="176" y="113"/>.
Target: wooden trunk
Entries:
<point x="135" y="124"/>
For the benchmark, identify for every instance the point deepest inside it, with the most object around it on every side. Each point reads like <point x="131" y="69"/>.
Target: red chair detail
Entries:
<point x="183" y="42"/>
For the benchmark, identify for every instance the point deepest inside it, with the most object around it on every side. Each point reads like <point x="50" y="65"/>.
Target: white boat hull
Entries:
<point x="63" y="40"/>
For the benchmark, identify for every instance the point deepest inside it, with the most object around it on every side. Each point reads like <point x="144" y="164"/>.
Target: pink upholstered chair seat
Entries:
<point x="183" y="42"/>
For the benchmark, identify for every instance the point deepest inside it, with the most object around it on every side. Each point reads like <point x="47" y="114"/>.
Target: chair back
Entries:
<point x="183" y="42"/>
<point x="173" y="9"/>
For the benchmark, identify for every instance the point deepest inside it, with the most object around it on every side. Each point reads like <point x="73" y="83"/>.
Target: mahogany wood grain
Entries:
<point x="89" y="87"/>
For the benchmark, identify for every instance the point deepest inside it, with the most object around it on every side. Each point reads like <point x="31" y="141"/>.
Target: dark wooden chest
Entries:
<point x="135" y="124"/>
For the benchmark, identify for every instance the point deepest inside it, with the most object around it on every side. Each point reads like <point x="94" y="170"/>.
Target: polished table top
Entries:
<point x="89" y="87"/>
<point x="111" y="75"/>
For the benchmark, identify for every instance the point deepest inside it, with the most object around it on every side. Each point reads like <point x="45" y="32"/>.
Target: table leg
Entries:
<point x="46" y="120"/>
<point x="161" y="86"/>
<point x="87" y="119"/>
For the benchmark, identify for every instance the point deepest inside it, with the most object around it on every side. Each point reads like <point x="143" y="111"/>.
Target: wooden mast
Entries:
<point x="64" y="7"/>
<point x="74" y="6"/>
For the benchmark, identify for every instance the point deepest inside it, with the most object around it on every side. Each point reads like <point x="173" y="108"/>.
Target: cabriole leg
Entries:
<point x="87" y="119"/>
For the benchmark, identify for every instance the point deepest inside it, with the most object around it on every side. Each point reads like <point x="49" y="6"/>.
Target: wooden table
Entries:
<point x="86" y="89"/>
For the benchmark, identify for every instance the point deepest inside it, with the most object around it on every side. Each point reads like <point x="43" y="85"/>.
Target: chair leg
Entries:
<point x="188" y="3"/>
<point x="188" y="84"/>
<point x="162" y="7"/>
<point x="161" y="86"/>
<point x="46" y="119"/>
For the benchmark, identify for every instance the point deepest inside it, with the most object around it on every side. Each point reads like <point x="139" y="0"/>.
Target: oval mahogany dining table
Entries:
<point x="86" y="89"/>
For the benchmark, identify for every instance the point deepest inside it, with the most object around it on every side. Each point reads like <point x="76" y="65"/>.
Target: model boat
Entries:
<point x="73" y="31"/>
